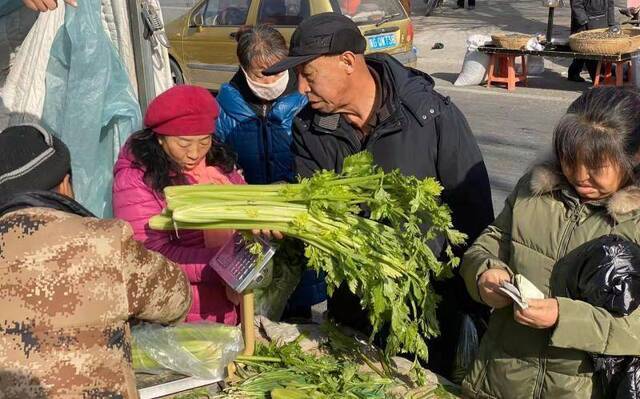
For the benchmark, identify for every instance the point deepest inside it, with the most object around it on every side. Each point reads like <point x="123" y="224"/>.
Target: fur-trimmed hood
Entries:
<point x="546" y="177"/>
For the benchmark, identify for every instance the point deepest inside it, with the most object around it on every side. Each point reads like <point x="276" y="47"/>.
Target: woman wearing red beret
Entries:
<point x="178" y="146"/>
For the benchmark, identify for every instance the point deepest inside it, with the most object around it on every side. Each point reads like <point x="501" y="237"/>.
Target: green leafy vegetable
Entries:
<point x="287" y="372"/>
<point x="383" y="258"/>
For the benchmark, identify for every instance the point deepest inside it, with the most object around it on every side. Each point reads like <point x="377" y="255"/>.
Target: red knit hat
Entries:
<point x="183" y="110"/>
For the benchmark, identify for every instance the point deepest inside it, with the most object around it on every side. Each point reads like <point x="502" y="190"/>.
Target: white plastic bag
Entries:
<point x="535" y="63"/>
<point x="200" y="350"/>
<point x="474" y="68"/>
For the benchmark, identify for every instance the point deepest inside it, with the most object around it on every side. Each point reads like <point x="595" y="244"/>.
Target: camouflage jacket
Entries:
<point x="68" y="285"/>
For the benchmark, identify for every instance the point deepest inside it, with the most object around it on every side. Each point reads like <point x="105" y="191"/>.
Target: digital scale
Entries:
<point x="240" y="269"/>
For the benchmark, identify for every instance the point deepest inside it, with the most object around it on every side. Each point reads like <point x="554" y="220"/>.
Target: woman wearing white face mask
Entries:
<point x="257" y="111"/>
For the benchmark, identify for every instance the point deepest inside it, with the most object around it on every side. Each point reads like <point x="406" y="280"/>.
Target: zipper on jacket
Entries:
<point x="568" y="231"/>
<point x="537" y="393"/>
<point x="265" y="141"/>
<point x="574" y="219"/>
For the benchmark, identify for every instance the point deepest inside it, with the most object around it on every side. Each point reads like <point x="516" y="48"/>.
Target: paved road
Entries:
<point x="512" y="129"/>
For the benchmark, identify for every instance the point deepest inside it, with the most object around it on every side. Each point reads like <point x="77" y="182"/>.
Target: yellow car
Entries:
<point x="203" y="46"/>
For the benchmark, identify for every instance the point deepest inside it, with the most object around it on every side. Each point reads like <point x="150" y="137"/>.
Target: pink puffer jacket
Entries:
<point x="136" y="203"/>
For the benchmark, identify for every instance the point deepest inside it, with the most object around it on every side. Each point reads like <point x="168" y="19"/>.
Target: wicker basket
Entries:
<point x="511" y="41"/>
<point x="584" y="42"/>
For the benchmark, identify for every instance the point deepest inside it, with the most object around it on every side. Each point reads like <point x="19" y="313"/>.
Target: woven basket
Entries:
<point x="511" y="41"/>
<point x="584" y="42"/>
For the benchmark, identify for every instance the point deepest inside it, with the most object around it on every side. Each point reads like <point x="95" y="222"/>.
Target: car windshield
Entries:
<point x="364" y="12"/>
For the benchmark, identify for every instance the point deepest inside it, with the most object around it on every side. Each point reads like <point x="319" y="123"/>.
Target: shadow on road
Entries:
<point x="520" y="16"/>
<point x="549" y="80"/>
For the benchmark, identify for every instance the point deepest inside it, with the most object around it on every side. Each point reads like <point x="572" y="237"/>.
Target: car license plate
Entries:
<point x="382" y="41"/>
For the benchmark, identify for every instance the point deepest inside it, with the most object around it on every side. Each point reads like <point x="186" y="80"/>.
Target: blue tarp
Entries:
<point x="89" y="103"/>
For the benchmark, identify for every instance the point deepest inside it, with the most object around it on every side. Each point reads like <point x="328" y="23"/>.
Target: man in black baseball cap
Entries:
<point x="374" y="103"/>
<point x="323" y="34"/>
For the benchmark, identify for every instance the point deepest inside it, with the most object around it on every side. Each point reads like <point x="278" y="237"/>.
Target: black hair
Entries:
<point x="261" y="44"/>
<point x="602" y="125"/>
<point x="161" y="171"/>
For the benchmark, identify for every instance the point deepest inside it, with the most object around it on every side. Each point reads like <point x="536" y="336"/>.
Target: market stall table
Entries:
<point x="506" y="59"/>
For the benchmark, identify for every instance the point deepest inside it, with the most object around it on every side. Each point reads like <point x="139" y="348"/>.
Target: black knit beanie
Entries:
<point x="31" y="159"/>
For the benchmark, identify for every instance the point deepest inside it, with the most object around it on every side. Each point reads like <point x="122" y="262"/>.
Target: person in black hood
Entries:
<point x="373" y="103"/>
<point x="70" y="282"/>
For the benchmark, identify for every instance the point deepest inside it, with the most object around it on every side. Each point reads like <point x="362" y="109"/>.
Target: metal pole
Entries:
<point x="550" y="25"/>
<point x="142" y="55"/>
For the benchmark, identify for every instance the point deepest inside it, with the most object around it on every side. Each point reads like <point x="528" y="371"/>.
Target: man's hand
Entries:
<point x="541" y="313"/>
<point x="46" y="5"/>
<point x="488" y="285"/>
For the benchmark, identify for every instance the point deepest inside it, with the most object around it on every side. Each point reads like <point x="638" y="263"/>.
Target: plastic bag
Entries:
<point x="618" y="375"/>
<point x="605" y="272"/>
<point x="197" y="350"/>
<point x="474" y="68"/>
<point x="288" y="264"/>
<point x="535" y="63"/>
<point x="89" y="103"/>
<point x="466" y="349"/>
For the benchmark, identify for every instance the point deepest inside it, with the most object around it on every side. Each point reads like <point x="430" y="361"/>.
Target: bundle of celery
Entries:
<point x="384" y="258"/>
<point x="199" y="350"/>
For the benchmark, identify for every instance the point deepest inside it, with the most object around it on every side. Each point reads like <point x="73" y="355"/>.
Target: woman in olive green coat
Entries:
<point x="587" y="189"/>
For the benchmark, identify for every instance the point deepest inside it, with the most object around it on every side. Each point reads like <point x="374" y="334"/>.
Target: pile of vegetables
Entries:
<point x="384" y="258"/>
<point x="287" y="372"/>
<point x="344" y="367"/>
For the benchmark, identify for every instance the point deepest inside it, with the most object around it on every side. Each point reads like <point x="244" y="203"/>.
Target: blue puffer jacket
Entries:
<point x="260" y="135"/>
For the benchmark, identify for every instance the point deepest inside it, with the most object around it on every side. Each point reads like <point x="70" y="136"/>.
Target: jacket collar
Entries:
<point x="234" y="103"/>
<point x="546" y="177"/>
<point x="42" y="199"/>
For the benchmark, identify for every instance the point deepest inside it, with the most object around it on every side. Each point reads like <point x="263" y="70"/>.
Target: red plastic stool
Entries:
<point x="609" y="79"/>
<point x="502" y="69"/>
